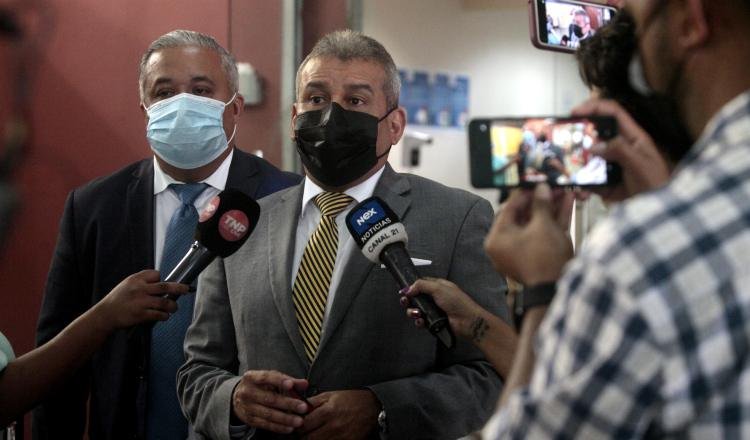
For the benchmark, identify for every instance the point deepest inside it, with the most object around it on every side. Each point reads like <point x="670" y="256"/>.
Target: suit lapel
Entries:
<point x="393" y="189"/>
<point x="241" y="172"/>
<point x="282" y="231"/>
<point x="139" y="214"/>
<point x="139" y="211"/>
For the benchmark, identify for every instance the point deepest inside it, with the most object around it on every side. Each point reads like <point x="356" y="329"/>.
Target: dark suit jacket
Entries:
<point x="106" y="234"/>
<point x="245" y="319"/>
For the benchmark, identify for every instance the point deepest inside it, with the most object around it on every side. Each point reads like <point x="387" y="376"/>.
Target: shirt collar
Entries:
<point x="358" y="193"/>
<point x="216" y="180"/>
<point x="733" y="111"/>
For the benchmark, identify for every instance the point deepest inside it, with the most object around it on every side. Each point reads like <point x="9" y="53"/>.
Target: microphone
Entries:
<point x="382" y="238"/>
<point x="223" y="227"/>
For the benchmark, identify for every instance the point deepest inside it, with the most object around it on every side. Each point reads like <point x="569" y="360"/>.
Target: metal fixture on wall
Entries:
<point x="291" y="56"/>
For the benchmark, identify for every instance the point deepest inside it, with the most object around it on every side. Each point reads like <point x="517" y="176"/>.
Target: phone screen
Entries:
<point x="563" y="24"/>
<point x="510" y="152"/>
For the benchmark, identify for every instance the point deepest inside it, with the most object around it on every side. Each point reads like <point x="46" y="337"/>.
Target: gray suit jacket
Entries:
<point x="245" y="320"/>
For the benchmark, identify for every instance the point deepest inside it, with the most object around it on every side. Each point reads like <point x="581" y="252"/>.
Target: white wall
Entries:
<point x="509" y="77"/>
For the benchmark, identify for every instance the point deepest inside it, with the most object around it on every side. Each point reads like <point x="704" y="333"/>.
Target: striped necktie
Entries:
<point x="164" y="419"/>
<point x="310" y="290"/>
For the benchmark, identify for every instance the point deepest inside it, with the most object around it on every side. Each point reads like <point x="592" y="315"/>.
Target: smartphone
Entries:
<point x="561" y="25"/>
<point x="512" y="152"/>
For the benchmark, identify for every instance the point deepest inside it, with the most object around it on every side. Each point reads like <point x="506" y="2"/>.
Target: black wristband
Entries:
<point x="538" y="295"/>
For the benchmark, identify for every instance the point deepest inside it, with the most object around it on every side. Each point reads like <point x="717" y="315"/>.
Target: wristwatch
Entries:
<point x="538" y="295"/>
<point x="382" y="422"/>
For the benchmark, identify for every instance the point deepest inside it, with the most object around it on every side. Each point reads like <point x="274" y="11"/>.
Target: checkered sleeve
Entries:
<point x="596" y="376"/>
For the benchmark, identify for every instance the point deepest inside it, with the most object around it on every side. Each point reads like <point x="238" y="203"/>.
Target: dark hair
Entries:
<point x="604" y="61"/>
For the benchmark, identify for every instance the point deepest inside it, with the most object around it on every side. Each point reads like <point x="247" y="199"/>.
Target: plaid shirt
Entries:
<point x="649" y="333"/>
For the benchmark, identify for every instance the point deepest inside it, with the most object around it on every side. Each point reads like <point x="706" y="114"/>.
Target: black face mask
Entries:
<point x="578" y="31"/>
<point x="337" y="146"/>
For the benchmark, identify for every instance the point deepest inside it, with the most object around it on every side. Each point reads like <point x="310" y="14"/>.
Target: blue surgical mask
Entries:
<point x="187" y="131"/>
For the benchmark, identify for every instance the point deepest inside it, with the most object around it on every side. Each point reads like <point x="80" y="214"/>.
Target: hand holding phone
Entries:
<point x="643" y="165"/>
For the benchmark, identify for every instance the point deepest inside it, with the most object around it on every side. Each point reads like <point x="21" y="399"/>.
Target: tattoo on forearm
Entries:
<point x="478" y="329"/>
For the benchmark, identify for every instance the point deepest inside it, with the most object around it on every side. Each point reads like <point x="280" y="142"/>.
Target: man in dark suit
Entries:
<point x="120" y="224"/>
<point x="299" y="311"/>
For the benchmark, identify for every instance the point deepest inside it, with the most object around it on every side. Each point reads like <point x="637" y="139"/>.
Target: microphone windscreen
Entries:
<point x="374" y="225"/>
<point x="227" y="221"/>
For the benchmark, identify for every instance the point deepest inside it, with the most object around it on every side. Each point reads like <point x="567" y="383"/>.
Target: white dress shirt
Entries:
<point x="166" y="201"/>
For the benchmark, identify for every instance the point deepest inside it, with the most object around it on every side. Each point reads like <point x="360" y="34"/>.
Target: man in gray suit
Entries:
<point x="298" y="332"/>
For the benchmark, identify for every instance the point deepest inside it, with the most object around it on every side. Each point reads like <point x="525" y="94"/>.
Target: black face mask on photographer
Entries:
<point x="337" y="146"/>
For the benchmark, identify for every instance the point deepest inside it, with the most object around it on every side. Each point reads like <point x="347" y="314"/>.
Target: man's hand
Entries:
<point x="267" y="400"/>
<point x="643" y="167"/>
<point x="138" y="298"/>
<point x="346" y="415"/>
<point x="530" y="239"/>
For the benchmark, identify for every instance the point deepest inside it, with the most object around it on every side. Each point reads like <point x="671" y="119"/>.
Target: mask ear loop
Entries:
<point x="388" y="113"/>
<point x="231" y="99"/>
<point x="232" y="136"/>
<point x="234" y="130"/>
<point x="381" y="120"/>
<point x="386" y="153"/>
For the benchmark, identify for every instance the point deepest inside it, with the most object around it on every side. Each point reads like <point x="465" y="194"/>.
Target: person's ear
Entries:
<point x="238" y="106"/>
<point x="294" y="120"/>
<point x="693" y="28"/>
<point x="396" y="124"/>
<point x="142" y="106"/>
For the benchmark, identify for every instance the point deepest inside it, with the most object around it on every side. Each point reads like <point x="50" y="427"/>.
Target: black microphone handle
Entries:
<point x="399" y="264"/>
<point x="191" y="265"/>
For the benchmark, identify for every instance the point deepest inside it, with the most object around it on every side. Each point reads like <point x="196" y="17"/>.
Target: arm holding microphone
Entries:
<point x="462" y="386"/>
<point x="436" y="304"/>
<point x="529" y="242"/>
<point x="138" y="298"/>
<point x="470" y="321"/>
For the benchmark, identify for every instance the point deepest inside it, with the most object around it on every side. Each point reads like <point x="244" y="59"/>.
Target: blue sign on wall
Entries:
<point x="435" y="99"/>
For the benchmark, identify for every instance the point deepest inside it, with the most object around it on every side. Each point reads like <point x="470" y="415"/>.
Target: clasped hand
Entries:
<point x="273" y="401"/>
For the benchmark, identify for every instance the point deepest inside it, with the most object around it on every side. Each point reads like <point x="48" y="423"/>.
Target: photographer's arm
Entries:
<point x="530" y="242"/>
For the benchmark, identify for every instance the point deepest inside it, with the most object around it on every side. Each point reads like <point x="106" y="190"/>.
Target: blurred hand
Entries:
<point x="530" y="239"/>
<point x="643" y="167"/>
<point x="462" y="311"/>
<point x="264" y="399"/>
<point x="346" y="414"/>
<point x="138" y="298"/>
